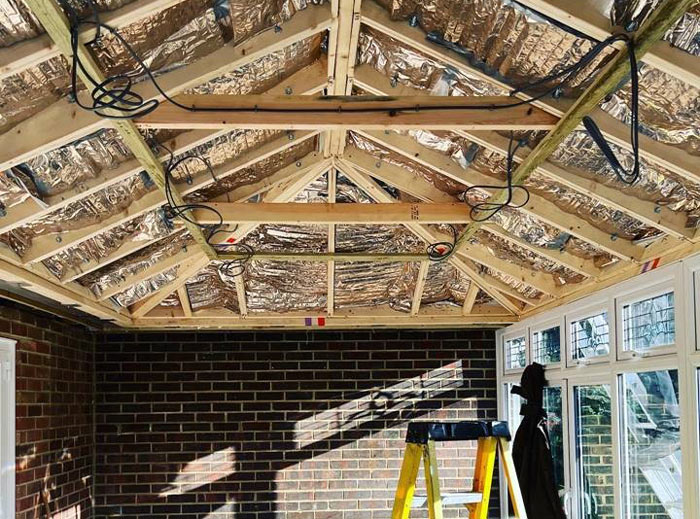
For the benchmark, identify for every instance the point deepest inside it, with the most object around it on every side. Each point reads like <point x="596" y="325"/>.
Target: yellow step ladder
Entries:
<point x="420" y="443"/>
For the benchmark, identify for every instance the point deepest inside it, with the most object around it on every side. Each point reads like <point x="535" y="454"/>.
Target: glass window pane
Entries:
<point x="515" y="353"/>
<point x="651" y="446"/>
<point x="552" y="406"/>
<point x="514" y="404"/>
<point x="594" y="452"/>
<point x="546" y="346"/>
<point x="649" y="323"/>
<point x="590" y="337"/>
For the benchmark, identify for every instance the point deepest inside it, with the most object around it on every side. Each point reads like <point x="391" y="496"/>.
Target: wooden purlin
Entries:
<point x="322" y="257"/>
<point x="262" y="112"/>
<point x="341" y="214"/>
<point x="660" y="20"/>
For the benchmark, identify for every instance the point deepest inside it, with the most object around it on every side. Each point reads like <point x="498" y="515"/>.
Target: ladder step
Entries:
<point x="462" y="498"/>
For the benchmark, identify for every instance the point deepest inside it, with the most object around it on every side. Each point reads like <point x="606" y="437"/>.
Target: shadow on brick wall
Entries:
<point x="289" y="425"/>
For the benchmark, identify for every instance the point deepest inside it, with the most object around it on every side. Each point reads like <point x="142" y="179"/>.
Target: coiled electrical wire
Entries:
<point x="494" y="207"/>
<point x="236" y="267"/>
<point x="442" y="250"/>
<point x="176" y="210"/>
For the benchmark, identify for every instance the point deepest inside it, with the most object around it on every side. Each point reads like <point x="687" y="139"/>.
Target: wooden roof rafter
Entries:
<point x="660" y="20"/>
<point x="670" y="157"/>
<point x="31" y="52"/>
<point x="584" y="17"/>
<point x="645" y="211"/>
<point x="192" y="265"/>
<point x="44" y="134"/>
<point x="343" y="18"/>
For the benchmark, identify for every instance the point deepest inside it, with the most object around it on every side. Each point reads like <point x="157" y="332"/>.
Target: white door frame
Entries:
<point x="7" y="428"/>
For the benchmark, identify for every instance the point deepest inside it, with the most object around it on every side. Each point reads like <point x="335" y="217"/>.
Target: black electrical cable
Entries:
<point x="231" y="268"/>
<point x="494" y="207"/>
<point x="182" y="210"/>
<point x="441" y="250"/>
<point x="116" y="93"/>
<point x="236" y="267"/>
<point x="626" y="177"/>
<point x="111" y="94"/>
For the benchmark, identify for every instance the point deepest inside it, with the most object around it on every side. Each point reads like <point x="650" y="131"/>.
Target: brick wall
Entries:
<point x="54" y="414"/>
<point x="295" y="425"/>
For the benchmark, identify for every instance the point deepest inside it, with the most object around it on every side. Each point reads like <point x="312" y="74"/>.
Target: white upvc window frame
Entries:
<point x="7" y="431"/>
<point x="505" y="401"/>
<point x="540" y="326"/>
<point x="574" y="476"/>
<point x="689" y="382"/>
<point x="631" y="298"/>
<point x="596" y="308"/>
<point x="683" y="277"/>
<point x="649" y="365"/>
<point x="695" y="330"/>
<point x="515" y="334"/>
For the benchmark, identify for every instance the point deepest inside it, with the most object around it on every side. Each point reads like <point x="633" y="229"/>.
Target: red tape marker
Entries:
<point x="650" y="265"/>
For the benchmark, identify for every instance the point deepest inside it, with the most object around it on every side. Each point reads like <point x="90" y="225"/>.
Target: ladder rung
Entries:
<point x="462" y="498"/>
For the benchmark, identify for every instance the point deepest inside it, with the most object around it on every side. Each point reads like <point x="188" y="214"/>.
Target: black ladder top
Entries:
<point x="421" y="432"/>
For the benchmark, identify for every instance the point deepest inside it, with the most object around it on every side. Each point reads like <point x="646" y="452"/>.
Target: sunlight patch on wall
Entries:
<point x="69" y="513"/>
<point x="202" y="471"/>
<point x="378" y="404"/>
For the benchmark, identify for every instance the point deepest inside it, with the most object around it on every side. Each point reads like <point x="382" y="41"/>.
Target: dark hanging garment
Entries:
<point x="531" y="450"/>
